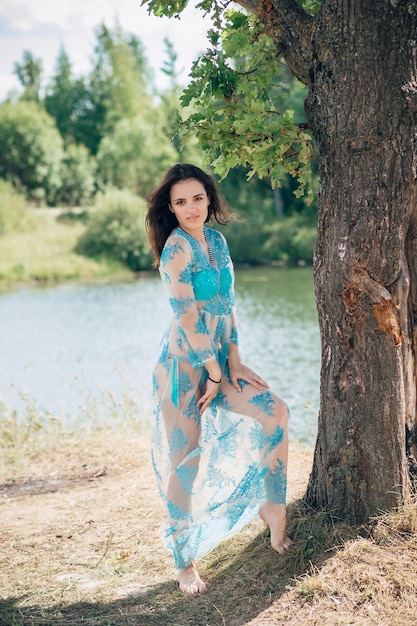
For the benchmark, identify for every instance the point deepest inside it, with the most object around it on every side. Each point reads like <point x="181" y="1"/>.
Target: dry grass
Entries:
<point x="80" y="545"/>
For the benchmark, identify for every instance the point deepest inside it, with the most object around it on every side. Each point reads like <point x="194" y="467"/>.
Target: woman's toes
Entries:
<point x="189" y="581"/>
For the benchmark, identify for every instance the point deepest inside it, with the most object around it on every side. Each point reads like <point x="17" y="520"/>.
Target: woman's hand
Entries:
<point x="240" y="371"/>
<point x="210" y="392"/>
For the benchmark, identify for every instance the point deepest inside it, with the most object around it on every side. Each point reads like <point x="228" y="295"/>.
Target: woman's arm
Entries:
<point x="239" y="371"/>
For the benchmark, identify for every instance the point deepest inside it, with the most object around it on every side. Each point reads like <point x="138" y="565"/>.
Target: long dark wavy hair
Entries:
<point x="160" y="221"/>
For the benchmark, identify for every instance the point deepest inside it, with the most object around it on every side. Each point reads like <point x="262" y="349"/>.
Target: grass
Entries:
<point x="80" y="544"/>
<point x="44" y="254"/>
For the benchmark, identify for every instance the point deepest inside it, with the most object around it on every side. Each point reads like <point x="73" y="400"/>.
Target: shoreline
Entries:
<point x="120" y="274"/>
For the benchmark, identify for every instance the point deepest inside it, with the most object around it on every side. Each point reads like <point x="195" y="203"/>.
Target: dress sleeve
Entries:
<point x="228" y="263"/>
<point x="234" y="338"/>
<point x="176" y="274"/>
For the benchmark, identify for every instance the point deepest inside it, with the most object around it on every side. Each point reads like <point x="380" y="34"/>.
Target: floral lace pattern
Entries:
<point x="214" y="470"/>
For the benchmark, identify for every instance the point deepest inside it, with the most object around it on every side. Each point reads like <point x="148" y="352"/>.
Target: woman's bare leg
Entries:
<point x="273" y="512"/>
<point x="182" y="424"/>
<point x="274" y="422"/>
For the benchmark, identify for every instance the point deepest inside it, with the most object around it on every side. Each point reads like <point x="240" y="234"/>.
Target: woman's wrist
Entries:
<point x="233" y="353"/>
<point x="234" y="360"/>
<point x="213" y="380"/>
<point x="214" y="372"/>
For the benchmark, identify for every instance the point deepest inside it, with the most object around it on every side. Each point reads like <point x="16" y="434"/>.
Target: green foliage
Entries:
<point x="311" y="6"/>
<point x="239" y="116"/>
<point x="256" y="200"/>
<point x="169" y="112"/>
<point x="68" y="101"/>
<point x="88" y="108"/>
<point x="119" y="79"/>
<point x="135" y="155"/>
<point x="78" y="175"/>
<point x="246" y="241"/>
<point x="289" y="240"/>
<point x="116" y="229"/>
<point x="235" y="103"/>
<point x="14" y="212"/>
<point x="31" y="150"/>
<point x="169" y="67"/>
<point x="243" y="105"/>
<point x="29" y="73"/>
<point x="171" y="8"/>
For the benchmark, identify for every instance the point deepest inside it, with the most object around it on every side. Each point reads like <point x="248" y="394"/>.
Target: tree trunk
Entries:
<point x="362" y="109"/>
<point x="278" y="202"/>
<point x="359" y="59"/>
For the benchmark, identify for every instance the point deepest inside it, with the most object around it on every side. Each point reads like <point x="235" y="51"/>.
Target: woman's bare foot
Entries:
<point x="189" y="580"/>
<point x="275" y="516"/>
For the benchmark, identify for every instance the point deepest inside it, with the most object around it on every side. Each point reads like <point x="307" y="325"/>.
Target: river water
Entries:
<point x="87" y="351"/>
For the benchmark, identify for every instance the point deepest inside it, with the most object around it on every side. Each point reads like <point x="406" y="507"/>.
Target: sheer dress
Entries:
<point x="213" y="470"/>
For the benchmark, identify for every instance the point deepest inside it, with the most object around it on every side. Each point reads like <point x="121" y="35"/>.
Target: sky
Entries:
<point x="43" y="26"/>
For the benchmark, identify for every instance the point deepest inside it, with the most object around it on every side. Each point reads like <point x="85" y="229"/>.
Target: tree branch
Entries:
<point x="290" y="28"/>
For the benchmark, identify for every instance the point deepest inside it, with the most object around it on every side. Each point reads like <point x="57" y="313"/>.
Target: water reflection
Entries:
<point x="86" y="349"/>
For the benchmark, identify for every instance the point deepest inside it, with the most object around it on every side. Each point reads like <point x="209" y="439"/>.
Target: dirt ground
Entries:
<point x="80" y="544"/>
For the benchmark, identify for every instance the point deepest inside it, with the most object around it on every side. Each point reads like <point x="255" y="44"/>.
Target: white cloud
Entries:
<point x="42" y="26"/>
<point x="26" y="15"/>
<point x="16" y="16"/>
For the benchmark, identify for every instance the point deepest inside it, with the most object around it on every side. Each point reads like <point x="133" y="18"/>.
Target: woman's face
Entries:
<point x="189" y="202"/>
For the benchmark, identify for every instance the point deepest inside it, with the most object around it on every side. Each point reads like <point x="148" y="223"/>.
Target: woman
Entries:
<point x="219" y="445"/>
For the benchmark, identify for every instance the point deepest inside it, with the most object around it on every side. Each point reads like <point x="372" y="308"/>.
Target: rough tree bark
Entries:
<point x="359" y="60"/>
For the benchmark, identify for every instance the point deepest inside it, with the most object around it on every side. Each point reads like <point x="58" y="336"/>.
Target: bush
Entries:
<point x="31" y="150"/>
<point x="287" y="240"/>
<point x="290" y="240"/>
<point x="116" y="229"/>
<point x="14" y="213"/>
<point x="246" y="240"/>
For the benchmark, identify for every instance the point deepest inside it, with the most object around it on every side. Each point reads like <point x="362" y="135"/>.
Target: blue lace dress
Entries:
<point x="214" y="470"/>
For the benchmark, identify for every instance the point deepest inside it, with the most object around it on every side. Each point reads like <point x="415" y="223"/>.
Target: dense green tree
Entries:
<point x="135" y="154"/>
<point x="29" y="73"/>
<point x="170" y="113"/>
<point x="358" y="62"/>
<point x="118" y="88"/>
<point x="169" y="66"/>
<point x="78" y="177"/>
<point x="67" y="100"/>
<point x="119" y="82"/>
<point x="60" y="93"/>
<point x="31" y="150"/>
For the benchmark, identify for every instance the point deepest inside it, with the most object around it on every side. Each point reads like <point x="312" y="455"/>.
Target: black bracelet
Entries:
<point x="214" y="381"/>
